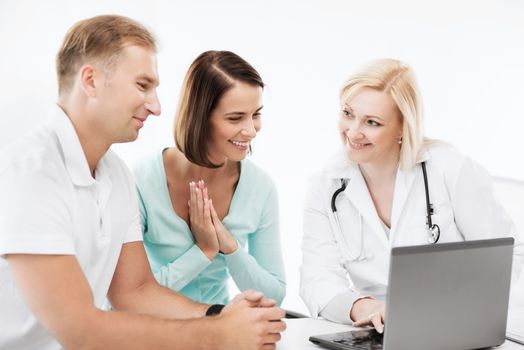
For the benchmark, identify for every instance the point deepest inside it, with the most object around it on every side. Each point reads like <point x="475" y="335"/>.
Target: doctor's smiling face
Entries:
<point x="371" y="127"/>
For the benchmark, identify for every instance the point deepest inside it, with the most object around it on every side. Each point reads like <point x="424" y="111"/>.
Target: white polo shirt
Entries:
<point x="50" y="204"/>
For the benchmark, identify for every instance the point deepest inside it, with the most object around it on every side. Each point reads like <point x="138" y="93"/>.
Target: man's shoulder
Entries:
<point x="33" y="176"/>
<point x="37" y="151"/>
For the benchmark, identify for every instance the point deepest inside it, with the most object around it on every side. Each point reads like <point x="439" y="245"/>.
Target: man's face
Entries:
<point x="126" y="95"/>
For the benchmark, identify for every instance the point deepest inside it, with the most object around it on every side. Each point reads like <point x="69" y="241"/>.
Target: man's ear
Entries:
<point x="88" y="82"/>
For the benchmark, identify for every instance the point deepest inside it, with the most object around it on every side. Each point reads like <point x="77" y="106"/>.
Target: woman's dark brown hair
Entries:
<point x="209" y="77"/>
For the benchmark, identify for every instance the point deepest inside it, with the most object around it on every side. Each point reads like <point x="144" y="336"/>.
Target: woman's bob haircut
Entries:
<point x="209" y="77"/>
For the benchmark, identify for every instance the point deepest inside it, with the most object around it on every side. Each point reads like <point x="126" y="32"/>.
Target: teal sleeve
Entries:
<point x="262" y="269"/>
<point x="178" y="273"/>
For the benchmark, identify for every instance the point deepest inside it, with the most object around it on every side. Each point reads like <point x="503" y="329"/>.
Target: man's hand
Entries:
<point x="254" y="299"/>
<point x="250" y="322"/>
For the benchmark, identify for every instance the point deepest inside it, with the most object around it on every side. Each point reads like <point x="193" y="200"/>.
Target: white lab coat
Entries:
<point x="465" y="208"/>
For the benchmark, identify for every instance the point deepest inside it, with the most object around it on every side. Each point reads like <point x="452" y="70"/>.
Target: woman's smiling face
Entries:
<point x="235" y="122"/>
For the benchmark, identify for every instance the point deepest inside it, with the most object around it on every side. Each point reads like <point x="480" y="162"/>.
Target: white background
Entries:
<point x="468" y="56"/>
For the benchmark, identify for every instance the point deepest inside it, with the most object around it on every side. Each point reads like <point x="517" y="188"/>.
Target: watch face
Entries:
<point x="214" y="309"/>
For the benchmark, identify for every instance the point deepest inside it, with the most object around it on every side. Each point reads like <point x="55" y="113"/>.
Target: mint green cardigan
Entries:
<point x="179" y="264"/>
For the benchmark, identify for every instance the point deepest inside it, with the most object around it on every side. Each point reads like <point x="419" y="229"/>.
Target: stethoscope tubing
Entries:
<point x="429" y="208"/>
<point x="335" y="195"/>
<point x="432" y="229"/>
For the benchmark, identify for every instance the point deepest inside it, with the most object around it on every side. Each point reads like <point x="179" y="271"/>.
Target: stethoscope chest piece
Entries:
<point x="433" y="233"/>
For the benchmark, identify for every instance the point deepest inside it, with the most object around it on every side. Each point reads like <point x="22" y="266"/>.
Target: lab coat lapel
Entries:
<point x="403" y="186"/>
<point x="357" y="192"/>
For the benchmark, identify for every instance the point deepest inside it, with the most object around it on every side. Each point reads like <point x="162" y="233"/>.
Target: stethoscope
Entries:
<point x="432" y="230"/>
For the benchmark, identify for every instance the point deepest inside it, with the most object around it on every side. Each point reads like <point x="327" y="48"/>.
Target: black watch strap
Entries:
<point x="214" y="309"/>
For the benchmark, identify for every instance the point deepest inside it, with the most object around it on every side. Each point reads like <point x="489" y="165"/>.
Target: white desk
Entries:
<point x="300" y="329"/>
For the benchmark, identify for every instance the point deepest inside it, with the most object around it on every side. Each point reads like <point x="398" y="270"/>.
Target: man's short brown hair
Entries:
<point x="99" y="38"/>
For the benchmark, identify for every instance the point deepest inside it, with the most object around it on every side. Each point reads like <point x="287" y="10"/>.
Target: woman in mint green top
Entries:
<point x="207" y="212"/>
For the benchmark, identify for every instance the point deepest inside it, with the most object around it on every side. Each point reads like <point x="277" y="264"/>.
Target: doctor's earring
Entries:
<point x="400" y="141"/>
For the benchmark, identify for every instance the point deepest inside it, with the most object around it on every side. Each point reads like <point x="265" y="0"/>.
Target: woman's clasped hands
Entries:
<point x="210" y="235"/>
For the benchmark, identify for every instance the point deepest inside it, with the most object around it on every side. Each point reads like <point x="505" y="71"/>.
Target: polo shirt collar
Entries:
<point x="74" y="156"/>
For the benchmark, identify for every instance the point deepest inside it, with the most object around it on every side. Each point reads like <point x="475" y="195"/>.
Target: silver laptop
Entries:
<point x="440" y="296"/>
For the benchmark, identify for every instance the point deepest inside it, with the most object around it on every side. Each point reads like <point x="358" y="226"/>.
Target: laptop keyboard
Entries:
<point x="364" y="340"/>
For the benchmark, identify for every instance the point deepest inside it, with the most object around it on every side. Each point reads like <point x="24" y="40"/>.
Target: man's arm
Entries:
<point x="135" y="289"/>
<point x="55" y="289"/>
<point x="57" y="292"/>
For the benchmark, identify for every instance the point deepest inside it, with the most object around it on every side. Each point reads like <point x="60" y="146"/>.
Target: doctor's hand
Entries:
<point x="200" y="220"/>
<point x="368" y="312"/>
<point x="227" y="244"/>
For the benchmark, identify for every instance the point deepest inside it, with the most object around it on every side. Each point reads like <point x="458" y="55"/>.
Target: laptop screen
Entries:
<point x="446" y="296"/>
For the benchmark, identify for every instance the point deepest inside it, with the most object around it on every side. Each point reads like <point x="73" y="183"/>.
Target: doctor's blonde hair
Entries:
<point x="398" y="80"/>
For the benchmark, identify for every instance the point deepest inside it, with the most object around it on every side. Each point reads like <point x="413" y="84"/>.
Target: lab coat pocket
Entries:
<point x="414" y="231"/>
<point x="445" y="219"/>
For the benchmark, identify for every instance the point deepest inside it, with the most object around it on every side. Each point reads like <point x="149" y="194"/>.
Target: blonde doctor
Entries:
<point x="389" y="187"/>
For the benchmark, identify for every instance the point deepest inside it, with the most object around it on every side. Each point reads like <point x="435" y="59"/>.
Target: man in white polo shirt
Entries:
<point x="69" y="224"/>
